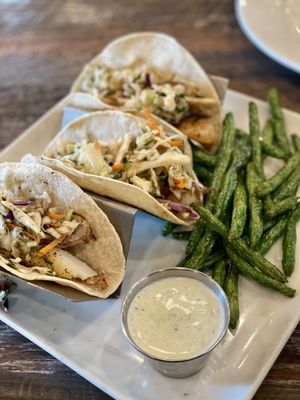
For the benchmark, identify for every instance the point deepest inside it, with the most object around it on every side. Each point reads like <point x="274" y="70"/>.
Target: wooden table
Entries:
<point x="43" y="46"/>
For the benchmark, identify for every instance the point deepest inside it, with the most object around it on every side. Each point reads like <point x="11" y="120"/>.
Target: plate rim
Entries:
<point x="257" y="42"/>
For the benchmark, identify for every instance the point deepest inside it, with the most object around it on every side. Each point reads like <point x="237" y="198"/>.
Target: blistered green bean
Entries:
<point x="246" y="269"/>
<point x="239" y="213"/>
<point x="278" y="120"/>
<point x="272" y="235"/>
<point x="195" y="237"/>
<point x="198" y="244"/>
<point x="181" y="235"/>
<point x="255" y="207"/>
<point x="232" y="292"/>
<point x="271" y="184"/>
<point x="273" y="151"/>
<point x="223" y="158"/>
<point x="268" y="133"/>
<point x="168" y="228"/>
<point x="203" y="174"/>
<point x="289" y="242"/>
<point x="204" y="158"/>
<point x="296" y="141"/>
<point x="254" y="130"/>
<point x="219" y="272"/>
<point x="252" y="256"/>
<point x="282" y="207"/>
<point x="288" y="187"/>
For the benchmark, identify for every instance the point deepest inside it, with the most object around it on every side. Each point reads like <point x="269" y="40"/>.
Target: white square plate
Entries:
<point x="88" y="338"/>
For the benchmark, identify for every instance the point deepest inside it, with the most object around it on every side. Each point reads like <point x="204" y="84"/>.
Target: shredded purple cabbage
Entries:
<point x="9" y="216"/>
<point x="148" y="80"/>
<point x="178" y="207"/>
<point x="24" y="203"/>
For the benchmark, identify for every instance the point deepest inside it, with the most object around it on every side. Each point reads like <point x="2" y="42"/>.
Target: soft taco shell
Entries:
<point x="86" y="102"/>
<point x="111" y="125"/>
<point x="104" y="254"/>
<point x="161" y="51"/>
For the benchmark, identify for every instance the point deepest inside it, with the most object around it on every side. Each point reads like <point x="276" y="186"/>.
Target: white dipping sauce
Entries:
<point x="175" y="318"/>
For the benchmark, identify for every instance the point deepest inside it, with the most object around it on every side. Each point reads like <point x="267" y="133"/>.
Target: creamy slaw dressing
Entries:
<point x="175" y="318"/>
<point x="137" y="86"/>
<point x="151" y="161"/>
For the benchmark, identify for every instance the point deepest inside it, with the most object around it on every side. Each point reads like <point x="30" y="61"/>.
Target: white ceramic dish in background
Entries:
<point x="274" y="27"/>
<point x="88" y="337"/>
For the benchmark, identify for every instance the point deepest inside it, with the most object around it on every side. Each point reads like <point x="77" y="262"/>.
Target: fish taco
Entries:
<point x="52" y="231"/>
<point x="153" y="70"/>
<point x="133" y="160"/>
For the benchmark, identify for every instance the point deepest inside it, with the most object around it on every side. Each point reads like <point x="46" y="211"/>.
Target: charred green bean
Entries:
<point x="255" y="207"/>
<point x="195" y="237"/>
<point x="273" y="151"/>
<point x="204" y="158"/>
<point x="168" y="228"/>
<point x="197" y="240"/>
<point x="254" y="130"/>
<point x="239" y="213"/>
<point x="278" y="120"/>
<point x="289" y="242"/>
<point x="282" y="207"/>
<point x="246" y="269"/>
<point x="288" y="187"/>
<point x="272" y="235"/>
<point x="203" y="174"/>
<point x="232" y="292"/>
<point x="296" y="141"/>
<point x="181" y="235"/>
<point x="223" y="158"/>
<point x="219" y="272"/>
<point x="270" y="185"/>
<point x="268" y="133"/>
<point x="252" y="256"/>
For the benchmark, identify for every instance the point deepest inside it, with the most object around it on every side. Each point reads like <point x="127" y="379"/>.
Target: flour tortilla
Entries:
<point x="111" y="125"/>
<point x="86" y="102"/>
<point x="104" y="254"/>
<point x="163" y="52"/>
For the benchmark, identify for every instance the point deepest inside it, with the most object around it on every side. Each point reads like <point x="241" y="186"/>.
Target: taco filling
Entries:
<point x="152" y="161"/>
<point x="34" y="236"/>
<point x="136" y="87"/>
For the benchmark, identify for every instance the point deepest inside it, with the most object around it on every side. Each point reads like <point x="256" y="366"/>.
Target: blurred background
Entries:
<point x="44" y="44"/>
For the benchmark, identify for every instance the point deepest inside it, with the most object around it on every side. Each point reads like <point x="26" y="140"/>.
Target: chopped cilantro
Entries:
<point x="12" y="264"/>
<point x="118" y="175"/>
<point x="137" y="78"/>
<point x="46" y="259"/>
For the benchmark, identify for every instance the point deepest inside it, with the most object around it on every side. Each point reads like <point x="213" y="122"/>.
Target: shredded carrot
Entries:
<point x="30" y="235"/>
<point x="55" y="215"/>
<point x="45" y="250"/>
<point x="176" y="143"/>
<point x="97" y="145"/>
<point x="55" y="225"/>
<point x="172" y="197"/>
<point x="118" y="167"/>
<point x="161" y="149"/>
<point x="179" y="183"/>
<point x="150" y="119"/>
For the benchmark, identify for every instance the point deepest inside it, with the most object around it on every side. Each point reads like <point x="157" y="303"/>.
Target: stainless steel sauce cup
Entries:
<point x="186" y="367"/>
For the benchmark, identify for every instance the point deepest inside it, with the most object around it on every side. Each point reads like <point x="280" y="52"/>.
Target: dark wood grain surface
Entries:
<point x="43" y="45"/>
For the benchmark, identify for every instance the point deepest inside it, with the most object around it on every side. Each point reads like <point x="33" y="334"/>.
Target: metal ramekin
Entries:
<point x="187" y="367"/>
